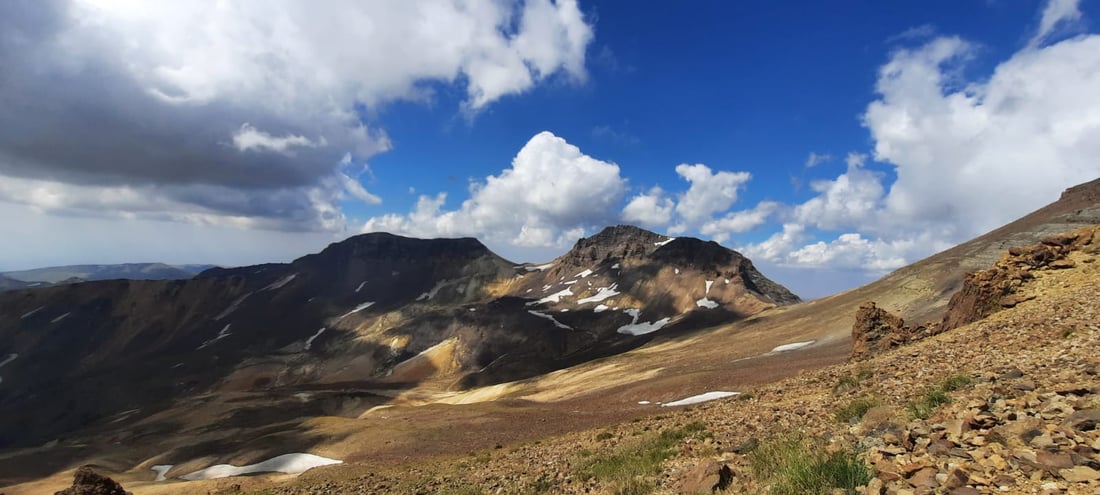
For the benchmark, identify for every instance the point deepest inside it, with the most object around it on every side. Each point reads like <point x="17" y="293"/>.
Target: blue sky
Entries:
<point x="830" y="143"/>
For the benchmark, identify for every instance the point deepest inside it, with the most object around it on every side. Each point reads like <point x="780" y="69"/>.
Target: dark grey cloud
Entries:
<point x="241" y="113"/>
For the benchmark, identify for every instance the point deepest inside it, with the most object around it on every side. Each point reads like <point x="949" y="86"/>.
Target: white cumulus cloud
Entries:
<point x="710" y="192"/>
<point x="549" y="196"/>
<point x="968" y="156"/>
<point x="720" y="229"/>
<point x="651" y="208"/>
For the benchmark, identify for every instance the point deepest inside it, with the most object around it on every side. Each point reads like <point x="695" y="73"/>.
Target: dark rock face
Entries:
<point x="88" y="482"/>
<point x="616" y="243"/>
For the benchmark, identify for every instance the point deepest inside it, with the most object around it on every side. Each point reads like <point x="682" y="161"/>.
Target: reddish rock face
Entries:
<point x="987" y="291"/>
<point x="877" y="330"/>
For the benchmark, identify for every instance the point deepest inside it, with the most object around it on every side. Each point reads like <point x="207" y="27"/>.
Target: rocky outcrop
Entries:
<point x="987" y="291"/>
<point x="877" y="330"/>
<point x="88" y="482"/>
<point x="983" y="293"/>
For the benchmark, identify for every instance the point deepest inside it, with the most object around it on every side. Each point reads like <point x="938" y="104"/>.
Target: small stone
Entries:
<point x="875" y="487"/>
<point x="925" y="478"/>
<point x="1062" y="264"/>
<point x="965" y="490"/>
<point x="1024" y="385"/>
<point x="1054" y="461"/>
<point x="1080" y="474"/>
<point x="1083" y="420"/>
<point x="1042" y="441"/>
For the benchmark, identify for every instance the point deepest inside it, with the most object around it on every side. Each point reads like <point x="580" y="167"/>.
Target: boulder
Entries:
<point x="88" y="482"/>
<point x="706" y="477"/>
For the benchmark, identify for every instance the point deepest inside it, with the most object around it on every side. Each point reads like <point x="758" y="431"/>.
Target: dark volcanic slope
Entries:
<point x="375" y="311"/>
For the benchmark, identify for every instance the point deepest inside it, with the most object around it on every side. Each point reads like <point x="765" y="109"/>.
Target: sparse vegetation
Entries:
<point x="854" y="410"/>
<point x="923" y="406"/>
<point x="626" y="467"/>
<point x="541" y="485"/>
<point x="851" y="382"/>
<point x="796" y="466"/>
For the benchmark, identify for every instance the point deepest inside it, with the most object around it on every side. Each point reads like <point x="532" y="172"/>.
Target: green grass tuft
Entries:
<point x="854" y="410"/>
<point x="796" y="466"/>
<point x="624" y="469"/>
<point x="922" y="407"/>
<point x="851" y="382"/>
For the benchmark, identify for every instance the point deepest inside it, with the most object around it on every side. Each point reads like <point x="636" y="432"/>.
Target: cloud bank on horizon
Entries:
<point x="243" y="121"/>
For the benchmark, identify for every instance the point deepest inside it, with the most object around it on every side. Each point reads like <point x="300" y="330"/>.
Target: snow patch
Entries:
<point x="666" y="241"/>
<point x="643" y="402"/>
<point x="793" y="346"/>
<point x="361" y="284"/>
<point x="554" y="298"/>
<point x="727" y="281"/>
<point x="286" y="463"/>
<point x="233" y="307"/>
<point x="706" y="303"/>
<point x="278" y="284"/>
<point x="221" y="335"/>
<point x="59" y="318"/>
<point x="677" y="271"/>
<point x="161" y="470"/>
<point x="427" y="296"/>
<point x="635" y="328"/>
<point x="583" y="274"/>
<point x="615" y="266"/>
<point x="599" y="309"/>
<point x="571" y="282"/>
<point x="551" y="318"/>
<point x="695" y="399"/>
<point x="356" y="310"/>
<point x="309" y="341"/>
<point x="539" y="268"/>
<point x="11" y="357"/>
<point x="708" y="284"/>
<point x="604" y="293"/>
<point x="31" y="313"/>
<point x="644" y="327"/>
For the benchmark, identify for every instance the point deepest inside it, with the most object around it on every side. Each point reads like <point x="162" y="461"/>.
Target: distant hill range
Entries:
<point x="378" y="311"/>
<point x="38" y="277"/>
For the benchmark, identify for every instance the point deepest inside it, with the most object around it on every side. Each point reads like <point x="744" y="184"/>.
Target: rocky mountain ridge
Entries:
<point x="368" y="321"/>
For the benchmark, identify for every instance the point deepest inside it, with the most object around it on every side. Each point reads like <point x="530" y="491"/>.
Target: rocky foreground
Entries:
<point x="1006" y="402"/>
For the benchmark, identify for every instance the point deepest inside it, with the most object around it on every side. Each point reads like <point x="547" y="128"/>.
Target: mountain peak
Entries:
<point x="615" y="242"/>
<point x="382" y="245"/>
